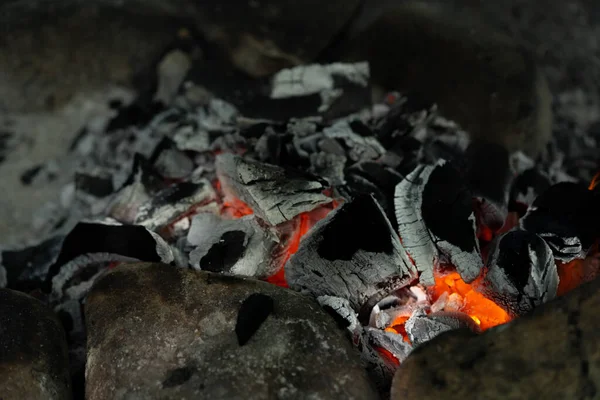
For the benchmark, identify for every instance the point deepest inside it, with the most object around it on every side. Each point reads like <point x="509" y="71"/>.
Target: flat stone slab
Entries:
<point x="157" y="331"/>
<point x="33" y="350"/>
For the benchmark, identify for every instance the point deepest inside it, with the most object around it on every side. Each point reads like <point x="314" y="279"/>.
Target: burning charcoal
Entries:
<point x="421" y="327"/>
<point x="240" y="246"/>
<point x="171" y="162"/>
<point x="275" y="194"/>
<point x="190" y="318"/>
<point x="435" y="219"/>
<point x="89" y="247"/>
<point x="33" y="359"/>
<point x="172" y="202"/>
<point x="389" y="341"/>
<point x="489" y="178"/>
<point x="360" y="148"/>
<point x="142" y="183"/>
<point x="566" y="217"/>
<point x="521" y="272"/>
<point x="353" y="253"/>
<point x="543" y="355"/>
<point x="29" y="266"/>
<point x="529" y="185"/>
<point x="253" y="312"/>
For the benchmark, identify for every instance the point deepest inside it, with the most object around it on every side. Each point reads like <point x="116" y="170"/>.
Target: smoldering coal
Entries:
<point x="353" y="253"/>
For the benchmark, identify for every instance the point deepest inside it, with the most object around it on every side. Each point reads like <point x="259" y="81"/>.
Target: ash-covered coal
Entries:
<point x="274" y="193"/>
<point x="436" y="221"/>
<point x="521" y="272"/>
<point x="241" y="246"/>
<point x="353" y="253"/>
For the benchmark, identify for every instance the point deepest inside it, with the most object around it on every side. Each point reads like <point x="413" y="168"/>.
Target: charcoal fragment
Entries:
<point x="274" y="193"/>
<point x="421" y="327"/>
<point x="254" y="310"/>
<point x="489" y="178"/>
<point x="29" y="175"/>
<point x="567" y="218"/>
<point x="521" y="272"/>
<point x="95" y="185"/>
<point x="240" y="246"/>
<point x="169" y="204"/>
<point x="436" y="221"/>
<point x="352" y="253"/>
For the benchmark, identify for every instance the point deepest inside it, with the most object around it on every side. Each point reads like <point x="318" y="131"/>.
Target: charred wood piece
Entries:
<point x="422" y="327"/>
<point x="169" y="204"/>
<point x="275" y="194"/>
<point x="521" y="272"/>
<point x="489" y="178"/>
<point x="241" y="246"/>
<point x="436" y="220"/>
<point x="93" y="243"/>
<point x="354" y="254"/>
<point x="567" y="218"/>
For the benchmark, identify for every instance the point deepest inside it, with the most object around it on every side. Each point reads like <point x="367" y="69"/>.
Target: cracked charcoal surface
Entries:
<point x="297" y="348"/>
<point x="254" y="310"/>
<point x="536" y="366"/>
<point x="370" y="262"/>
<point x="521" y="272"/>
<point x="274" y="193"/>
<point x="435" y="220"/>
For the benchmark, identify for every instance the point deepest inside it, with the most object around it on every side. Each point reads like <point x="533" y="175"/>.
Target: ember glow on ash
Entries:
<point x="462" y="297"/>
<point x="291" y="232"/>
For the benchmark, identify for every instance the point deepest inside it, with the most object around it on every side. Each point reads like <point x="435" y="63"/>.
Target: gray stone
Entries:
<point x="33" y="350"/>
<point x="552" y="353"/>
<point x="157" y="331"/>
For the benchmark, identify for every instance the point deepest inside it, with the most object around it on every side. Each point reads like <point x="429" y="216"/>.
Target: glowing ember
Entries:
<point x="398" y="327"/>
<point x="387" y="355"/>
<point x="462" y="295"/>
<point x="595" y="181"/>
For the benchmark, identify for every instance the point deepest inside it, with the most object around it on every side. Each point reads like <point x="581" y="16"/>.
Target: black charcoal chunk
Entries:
<point x="436" y="221"/>
<point x="239" y="246"/>
<point x="143" y="182"/>
<point x="94" y="185"/>
<point x="566" y="216"/>
<point x="255" y="309"/>
<point x="521" y="272"/>
<point x="28" y="266"/>
<point x="421" y="327"/>
<point x="29" y="175"/>
<point x="377" y="179"/>
<point x="171" y="203"/>
<point x="528" y="185"/>
<point x="353" y="253"/>
<point x="489" y="178"/>
<point x="171" y="162"/>
<point x="93" y="243"/>
<point x="274" y="193"/>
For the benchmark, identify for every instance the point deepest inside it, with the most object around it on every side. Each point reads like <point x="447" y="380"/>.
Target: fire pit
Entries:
<point x="301" y="243"/>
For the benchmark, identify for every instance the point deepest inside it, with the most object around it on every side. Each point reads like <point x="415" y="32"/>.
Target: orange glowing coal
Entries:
<point x="463" y="298"/>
